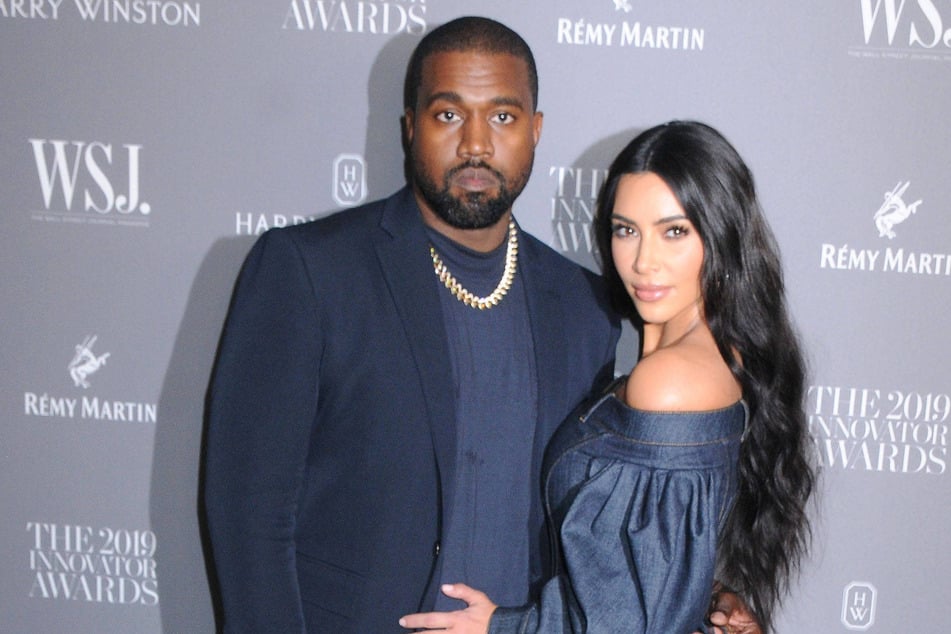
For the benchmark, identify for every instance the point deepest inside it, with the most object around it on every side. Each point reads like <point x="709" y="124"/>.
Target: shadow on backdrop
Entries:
<point x="184" y="582"/>
<point x="386" y="166"/>
<point x="599" y="155"/>
<point x="188" y="588"/>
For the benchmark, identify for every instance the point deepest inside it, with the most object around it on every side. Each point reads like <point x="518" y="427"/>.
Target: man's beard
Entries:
<point x="473" y="210"/>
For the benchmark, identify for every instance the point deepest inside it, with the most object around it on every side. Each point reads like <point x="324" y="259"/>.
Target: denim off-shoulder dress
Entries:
<point x="636" y="499"/>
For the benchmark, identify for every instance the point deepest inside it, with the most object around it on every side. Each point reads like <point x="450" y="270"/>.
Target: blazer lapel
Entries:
<point x="546" y="312"/>
<point x="403" y="252"/>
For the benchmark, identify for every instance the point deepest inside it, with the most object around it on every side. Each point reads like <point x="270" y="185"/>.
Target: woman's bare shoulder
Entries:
<point x="681" y="378"/>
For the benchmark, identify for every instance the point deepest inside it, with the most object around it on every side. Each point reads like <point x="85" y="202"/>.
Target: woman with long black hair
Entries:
<point x="697" y="465"/>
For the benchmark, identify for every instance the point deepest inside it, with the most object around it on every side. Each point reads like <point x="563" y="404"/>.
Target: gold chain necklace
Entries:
<point x="493" y="298"/>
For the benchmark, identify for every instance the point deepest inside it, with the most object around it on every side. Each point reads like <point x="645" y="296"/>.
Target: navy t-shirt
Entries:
<point x="486" y="536"/>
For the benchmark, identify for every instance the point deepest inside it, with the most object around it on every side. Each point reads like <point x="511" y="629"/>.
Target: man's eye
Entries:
<point x="447" y="117"/>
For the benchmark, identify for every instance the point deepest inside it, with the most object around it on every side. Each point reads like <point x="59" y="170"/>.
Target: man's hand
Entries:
<point x="472" y="620"/>
<point x="730" y="614"/>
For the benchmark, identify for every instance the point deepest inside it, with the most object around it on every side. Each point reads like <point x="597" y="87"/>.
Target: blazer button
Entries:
<point x="436" y="548"/>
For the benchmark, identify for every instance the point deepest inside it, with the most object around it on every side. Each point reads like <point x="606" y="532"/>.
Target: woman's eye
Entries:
<point x="622" y="231"/>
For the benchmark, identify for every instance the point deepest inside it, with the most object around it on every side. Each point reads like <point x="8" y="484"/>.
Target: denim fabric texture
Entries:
<point x="637" y="499"/>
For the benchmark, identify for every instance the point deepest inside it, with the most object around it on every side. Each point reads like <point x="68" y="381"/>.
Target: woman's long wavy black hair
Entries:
<point x="768" y="531"/>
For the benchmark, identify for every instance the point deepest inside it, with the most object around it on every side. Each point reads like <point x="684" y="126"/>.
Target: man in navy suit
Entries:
<point x="389" y="376"/>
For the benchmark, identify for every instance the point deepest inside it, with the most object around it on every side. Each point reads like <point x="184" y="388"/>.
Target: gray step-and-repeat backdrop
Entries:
<point x="145" y="143"/>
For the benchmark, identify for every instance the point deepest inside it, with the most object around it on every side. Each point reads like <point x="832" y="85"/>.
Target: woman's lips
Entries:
<point x="650" y="292"/>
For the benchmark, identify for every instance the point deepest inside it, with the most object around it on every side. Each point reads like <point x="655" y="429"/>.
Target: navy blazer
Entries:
<point x="330" y="443"/>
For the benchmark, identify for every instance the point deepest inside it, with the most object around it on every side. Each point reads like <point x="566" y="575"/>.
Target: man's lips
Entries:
<point x="474" y="178"/>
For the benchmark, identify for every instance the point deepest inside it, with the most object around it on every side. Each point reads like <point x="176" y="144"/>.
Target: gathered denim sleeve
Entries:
<point x="638" y="523"/>
<point x="553" y="613"/>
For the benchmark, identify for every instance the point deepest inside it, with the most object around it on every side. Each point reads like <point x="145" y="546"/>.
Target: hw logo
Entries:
<point x="65" y="167"/>
<point x="350" y="180"/>
<point x="925" y="26"/>
<point x="858" y="605"/>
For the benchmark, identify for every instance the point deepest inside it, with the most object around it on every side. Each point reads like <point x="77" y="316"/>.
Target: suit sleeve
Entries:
<point x="261" y="407"/>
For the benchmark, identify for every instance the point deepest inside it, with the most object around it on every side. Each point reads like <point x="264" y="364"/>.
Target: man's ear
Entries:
<point x="409" y="126"/>
<point x="537" y="119"/>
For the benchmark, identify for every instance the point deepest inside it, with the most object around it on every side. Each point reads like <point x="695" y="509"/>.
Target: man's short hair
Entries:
<point x="481" y="35"/>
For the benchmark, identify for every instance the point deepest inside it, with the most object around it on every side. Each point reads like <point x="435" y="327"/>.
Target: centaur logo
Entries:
<point x="925" y="26"/>
<point x="894" y="210"/>
<point x="66" y="168"/>
<point x="858" y="605"/>
<point x="85" y="362"/>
